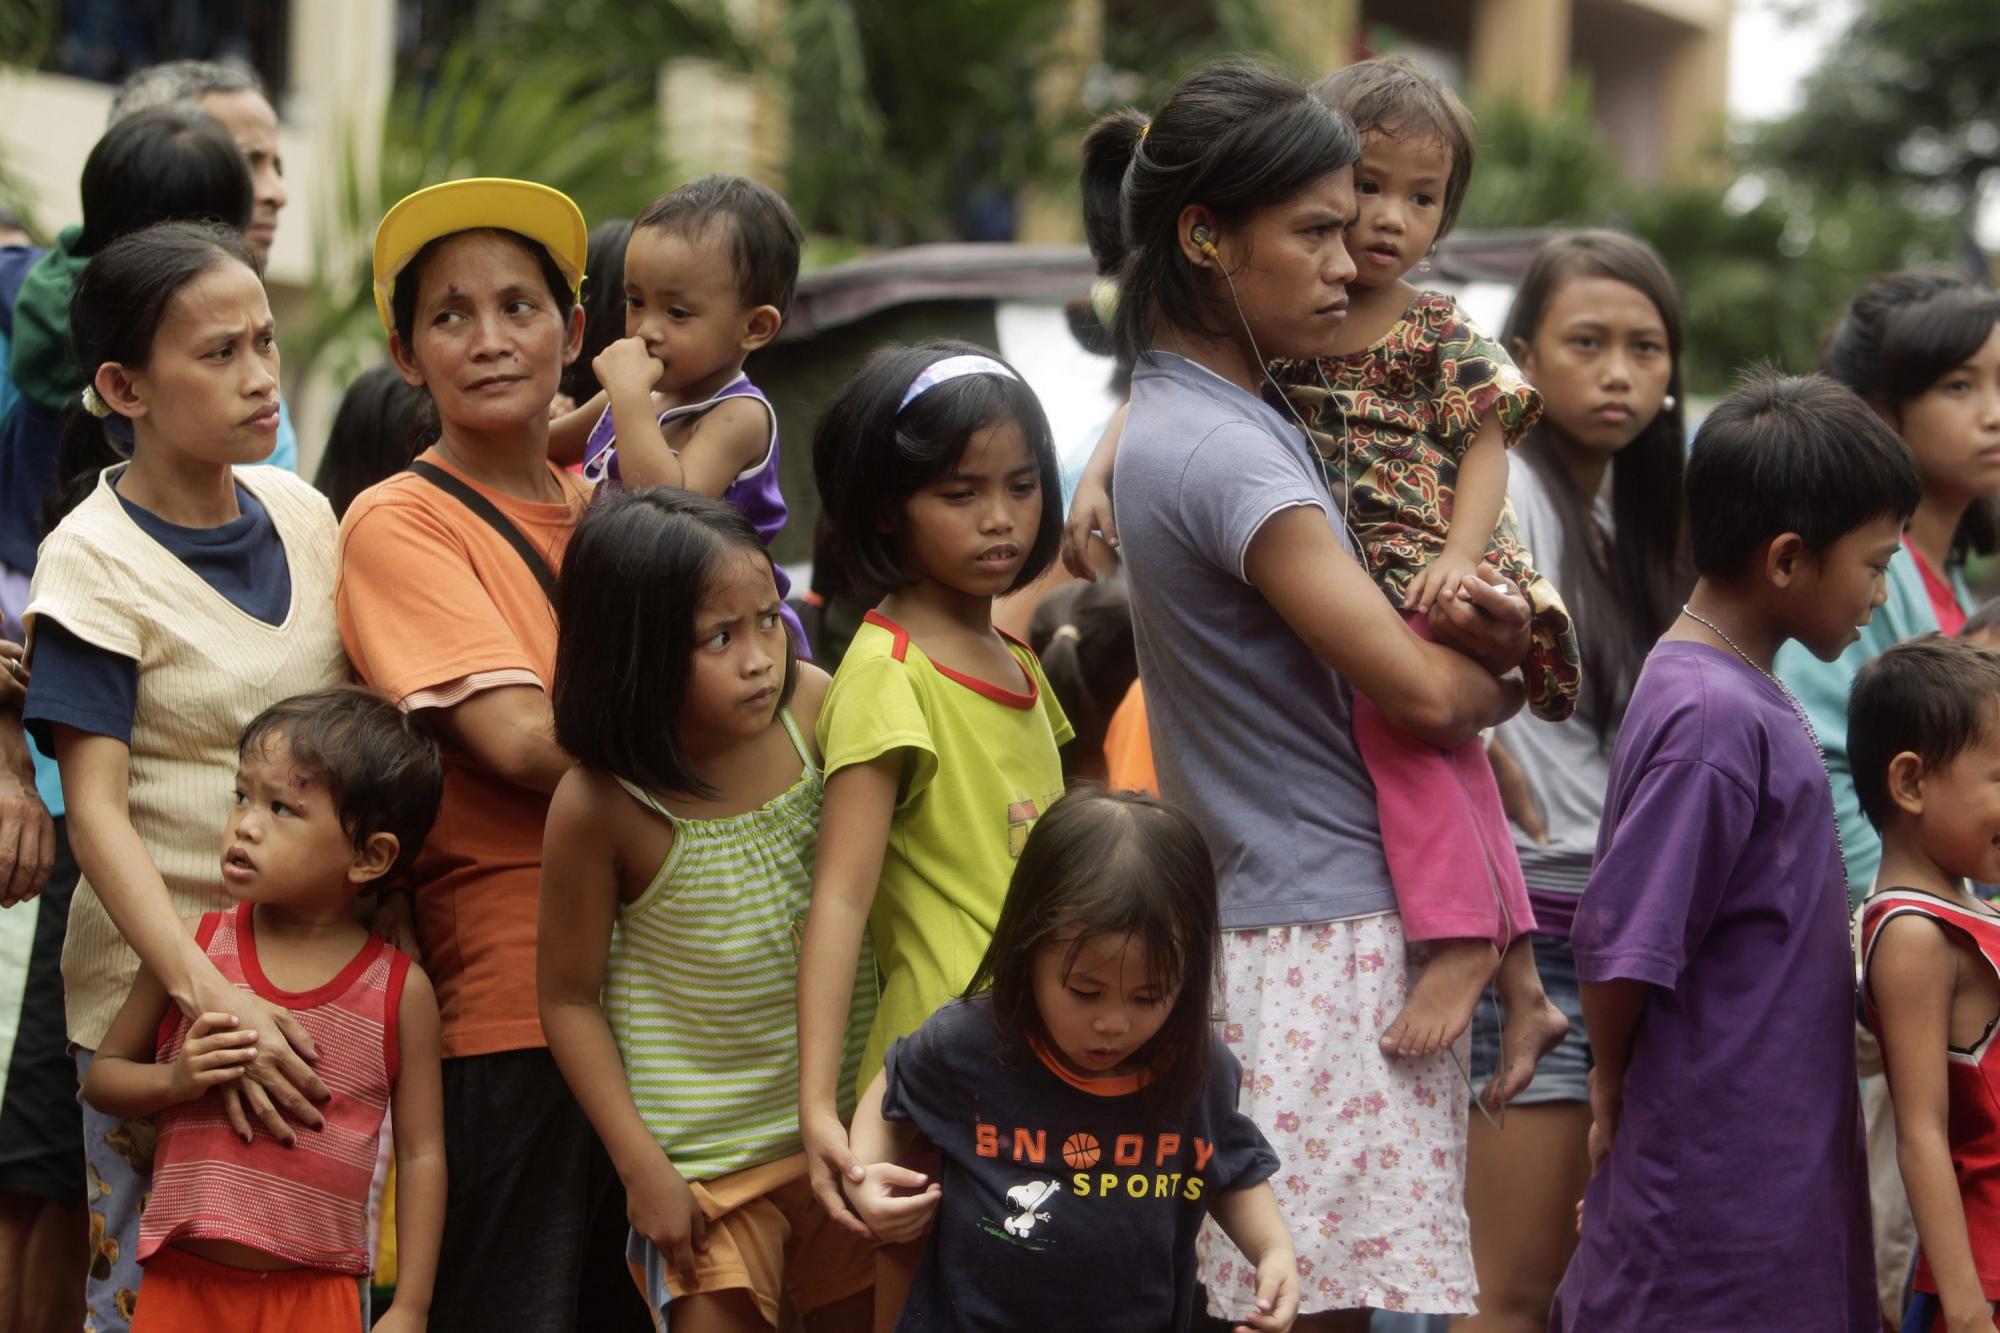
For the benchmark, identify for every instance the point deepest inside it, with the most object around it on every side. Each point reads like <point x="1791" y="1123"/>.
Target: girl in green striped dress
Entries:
<point x="676" y="872"/>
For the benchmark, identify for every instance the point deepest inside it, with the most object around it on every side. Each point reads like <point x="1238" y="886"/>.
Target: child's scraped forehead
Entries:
<point x="269" y="756"/>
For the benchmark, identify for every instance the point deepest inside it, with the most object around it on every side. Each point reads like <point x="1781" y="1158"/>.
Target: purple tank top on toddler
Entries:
<point x="754" y="494"/>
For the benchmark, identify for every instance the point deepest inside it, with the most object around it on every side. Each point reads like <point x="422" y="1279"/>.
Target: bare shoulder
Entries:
<point x="737" y="427"/>
<point x="809" y="695"/>
<point x="1913" y="953"/>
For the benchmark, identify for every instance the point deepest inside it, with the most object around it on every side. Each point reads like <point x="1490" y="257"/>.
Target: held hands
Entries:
<point x="831" y="1166"/>
<point x="1277" y="1293"/>
<point x="1089" y="512"/>
<point x="662" y="1208"/>
<point x="1485" y="618"/>
<point x="216" y="1052"/>
<point x="896" y="1202"/>
<point x="1440" y="578"/>
<point x="627" y="365"/>
<point x="280" y="1087"/>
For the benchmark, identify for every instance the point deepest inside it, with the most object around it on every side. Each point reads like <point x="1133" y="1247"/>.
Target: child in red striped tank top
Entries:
<point x="335" y="792"/>
<point x="1923" y="739"/>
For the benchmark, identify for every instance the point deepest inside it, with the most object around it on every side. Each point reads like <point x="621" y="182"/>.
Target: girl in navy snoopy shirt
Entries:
<point x="1083" y="1106"/>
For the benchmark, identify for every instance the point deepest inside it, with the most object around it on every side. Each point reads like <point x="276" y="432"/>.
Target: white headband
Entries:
<point x="951" y="368"/>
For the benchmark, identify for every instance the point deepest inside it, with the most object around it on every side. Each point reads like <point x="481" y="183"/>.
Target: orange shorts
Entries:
<point x="185" y="1293"/>
<point x="766" y="1234"/>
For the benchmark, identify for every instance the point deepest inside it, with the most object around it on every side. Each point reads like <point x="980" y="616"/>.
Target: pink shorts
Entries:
<point x="1444" y="833"/>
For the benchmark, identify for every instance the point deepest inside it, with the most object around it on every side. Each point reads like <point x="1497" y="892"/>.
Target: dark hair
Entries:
<point x="1235" y="136"/>
<point x="403" y="298"/>
<point x="1621" y="594"/>
<point x="620" y="677"/>
<point x="381" y="764"/>
<point x="1395" y="96"/>
<point x="764" y="237"/>
<point x="1932" y="696"/>
<point x="115" y="311"/>
<point x="1788" y="453"/>
<point x="1114" y="863"/>
<point x="1985" y="619"/>
<point x="603" y="305"/>
<point x="1902" y="333"/>
<point x="870" y="454"/>
<point x="376" y="432"/>
<point x="1083" y="634"/>
<point x="167" y="164"/>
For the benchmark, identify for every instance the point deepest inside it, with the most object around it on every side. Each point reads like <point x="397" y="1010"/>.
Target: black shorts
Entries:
<point x="41" y="1122"/>
<point x="534" y="1227"/>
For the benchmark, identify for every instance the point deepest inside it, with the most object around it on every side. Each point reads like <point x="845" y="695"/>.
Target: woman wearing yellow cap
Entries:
<point x="443" y="603"/>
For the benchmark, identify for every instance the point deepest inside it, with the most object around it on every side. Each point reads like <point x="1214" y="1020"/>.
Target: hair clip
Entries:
<point x="93" y="402"/>
<point x="1143" y="127"/>
<point x="1069" y="632"/>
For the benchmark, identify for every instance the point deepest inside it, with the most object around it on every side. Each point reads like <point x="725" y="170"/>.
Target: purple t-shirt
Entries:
<point x="754" y="493"/>
<point x="1736" y="1194"/>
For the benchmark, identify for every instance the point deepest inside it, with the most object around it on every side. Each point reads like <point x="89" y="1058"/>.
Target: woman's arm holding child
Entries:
<point x="417" y="1111"/>
<point x="1441" y="695"/>
<point x="123" y="1079"/>
<point x="894" y="1218"/>
<point x="854" y="832"/>
<point x="579" y="908"/>
<point x="1251" y="1219"/>
<point x="1477" y="498"/>
<point x="727" y="439"/>
<point x="1912" y="973"/>
<point x="569" y="434"/>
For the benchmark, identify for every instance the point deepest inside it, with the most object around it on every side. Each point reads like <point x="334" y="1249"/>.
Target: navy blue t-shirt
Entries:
<point x="93" y="689"/>
<point x="1065" y="1203"/>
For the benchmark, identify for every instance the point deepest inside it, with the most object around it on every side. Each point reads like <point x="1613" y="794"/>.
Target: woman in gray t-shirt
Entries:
<point x="1254" y="624"/>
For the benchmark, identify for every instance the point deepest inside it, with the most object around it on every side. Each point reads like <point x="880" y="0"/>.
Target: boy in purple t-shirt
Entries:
<point x="1730" y="1191"/>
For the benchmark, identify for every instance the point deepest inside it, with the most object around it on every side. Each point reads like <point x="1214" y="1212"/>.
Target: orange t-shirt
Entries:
<point x="1128" y="746"/>
<point x="429" y="596"/>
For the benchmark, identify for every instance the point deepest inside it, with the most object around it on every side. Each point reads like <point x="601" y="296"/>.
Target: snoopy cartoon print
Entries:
<point x="1028" y="1199"/>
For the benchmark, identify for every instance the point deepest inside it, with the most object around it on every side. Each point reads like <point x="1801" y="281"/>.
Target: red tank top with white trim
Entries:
<point x="1972" y="1080"/>
<point x="307" y="1204"/>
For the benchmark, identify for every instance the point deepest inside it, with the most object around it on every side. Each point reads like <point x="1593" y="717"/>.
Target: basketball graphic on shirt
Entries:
<point x="1080" y="1151"/>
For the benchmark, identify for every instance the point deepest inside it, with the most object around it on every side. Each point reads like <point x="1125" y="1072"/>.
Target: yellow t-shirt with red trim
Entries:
<point x="980" y="768"/>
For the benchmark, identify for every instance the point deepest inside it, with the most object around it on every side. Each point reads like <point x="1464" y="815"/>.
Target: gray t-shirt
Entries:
<point x="1251" y="732"/>
<point x="1567" y="767"/>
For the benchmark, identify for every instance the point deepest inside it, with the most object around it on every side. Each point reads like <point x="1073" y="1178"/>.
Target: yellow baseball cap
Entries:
<point x="535" y="211"/>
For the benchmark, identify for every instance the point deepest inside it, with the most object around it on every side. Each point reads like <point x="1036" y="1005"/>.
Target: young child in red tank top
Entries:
<point x="334" y="792"/>
<point x="1924" y="741"/>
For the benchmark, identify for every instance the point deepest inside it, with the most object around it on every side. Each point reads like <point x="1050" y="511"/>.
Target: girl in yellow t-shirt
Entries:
<point x="938" y="477"/>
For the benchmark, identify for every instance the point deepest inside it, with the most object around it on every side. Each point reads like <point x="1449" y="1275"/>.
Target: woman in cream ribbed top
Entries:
<point x="173" y="329"/>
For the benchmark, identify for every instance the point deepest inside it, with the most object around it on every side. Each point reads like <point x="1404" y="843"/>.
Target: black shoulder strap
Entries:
<point x="494" y="519"/>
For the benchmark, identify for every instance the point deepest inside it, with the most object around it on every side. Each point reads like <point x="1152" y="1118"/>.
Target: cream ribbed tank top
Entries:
<point x="205" y="669"/>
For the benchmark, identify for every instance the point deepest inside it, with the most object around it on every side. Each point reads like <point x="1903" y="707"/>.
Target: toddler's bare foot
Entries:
<point x="1531" y="1030"/>
<point x="1440" y="1004"/>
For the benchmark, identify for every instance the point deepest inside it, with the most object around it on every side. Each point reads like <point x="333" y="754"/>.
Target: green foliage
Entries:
<point x="26" y="28"/>
<point x="482" y="116"/>
<point x="1534" y="170"/>
<point x="904" y="115"/>
<point x="1765" y="263"/>
<point x="1909" y="94"/>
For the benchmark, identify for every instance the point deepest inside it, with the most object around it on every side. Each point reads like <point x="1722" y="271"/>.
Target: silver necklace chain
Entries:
<point x="1798" y="711"/>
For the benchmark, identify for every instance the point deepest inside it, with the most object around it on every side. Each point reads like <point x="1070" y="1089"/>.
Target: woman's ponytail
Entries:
<point x="85" y="450"/>
<point x="1107" y="156"/>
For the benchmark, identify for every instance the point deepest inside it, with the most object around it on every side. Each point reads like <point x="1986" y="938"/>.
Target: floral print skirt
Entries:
<point x="1371" y="1179"/>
